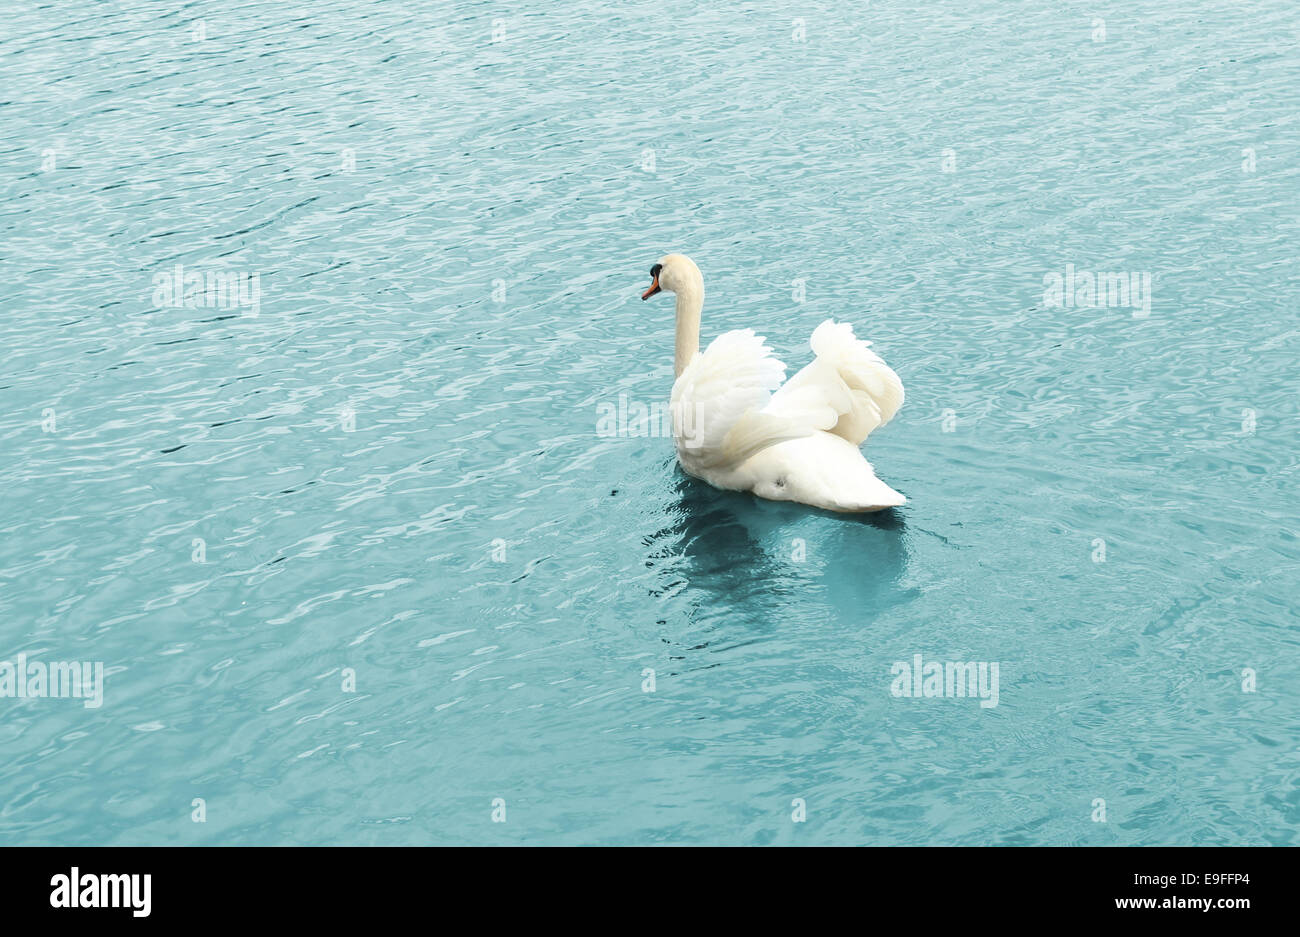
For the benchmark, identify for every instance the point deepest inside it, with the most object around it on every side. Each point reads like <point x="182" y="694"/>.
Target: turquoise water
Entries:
<point x="357" y="561"/>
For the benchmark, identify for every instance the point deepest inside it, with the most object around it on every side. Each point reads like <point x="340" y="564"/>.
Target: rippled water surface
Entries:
<point x="388" y="469"/>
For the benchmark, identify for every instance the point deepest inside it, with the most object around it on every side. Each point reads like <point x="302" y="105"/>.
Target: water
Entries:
<point x="389" y="465"/>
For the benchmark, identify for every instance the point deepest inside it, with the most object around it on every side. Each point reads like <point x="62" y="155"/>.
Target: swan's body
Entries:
<point x="738" y="427"/>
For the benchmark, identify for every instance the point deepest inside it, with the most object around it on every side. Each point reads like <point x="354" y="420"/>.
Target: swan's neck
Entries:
<point x="690" y="301"/>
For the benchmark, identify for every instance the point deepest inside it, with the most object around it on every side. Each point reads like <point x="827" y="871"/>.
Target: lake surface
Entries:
<point x="360" y="564"/>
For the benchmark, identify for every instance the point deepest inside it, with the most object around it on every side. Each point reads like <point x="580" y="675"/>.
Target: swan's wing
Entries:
<point x="718" y="402"/>
<point x="847" y="390"/>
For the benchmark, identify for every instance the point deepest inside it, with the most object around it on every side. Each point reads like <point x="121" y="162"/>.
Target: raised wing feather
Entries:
<point x="718" y="403"/>
<point x="848" y="389"/>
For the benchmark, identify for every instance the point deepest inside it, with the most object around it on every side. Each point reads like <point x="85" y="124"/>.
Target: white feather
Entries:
<point x="719" y="402"/>
<point x="847" y="390"/>
<point x="797" y="444"/>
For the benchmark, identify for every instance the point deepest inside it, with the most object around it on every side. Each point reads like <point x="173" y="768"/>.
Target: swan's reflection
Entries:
<point x="744" y="566"/>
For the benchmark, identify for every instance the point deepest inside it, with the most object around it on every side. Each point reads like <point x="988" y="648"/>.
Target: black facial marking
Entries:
<point x="654" y="271"/>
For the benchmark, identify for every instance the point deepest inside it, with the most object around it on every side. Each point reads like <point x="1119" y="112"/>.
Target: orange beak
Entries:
<point x="654" y="288"/>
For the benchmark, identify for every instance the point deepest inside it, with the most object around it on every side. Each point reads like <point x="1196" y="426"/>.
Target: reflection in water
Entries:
<point x="745" y="565"/>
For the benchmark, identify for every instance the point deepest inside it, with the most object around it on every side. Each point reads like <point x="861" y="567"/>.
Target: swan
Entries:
<point x="739" y="428"/>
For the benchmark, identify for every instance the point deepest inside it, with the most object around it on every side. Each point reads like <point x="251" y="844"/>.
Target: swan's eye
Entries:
<point x="654" y="271"/>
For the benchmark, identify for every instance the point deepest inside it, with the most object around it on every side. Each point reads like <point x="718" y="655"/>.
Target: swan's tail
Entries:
<point x="825" y="471"/>
<point x="853" y="486"/>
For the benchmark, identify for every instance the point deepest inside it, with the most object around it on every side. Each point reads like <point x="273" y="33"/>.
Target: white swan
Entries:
<point x="737" y="427"/>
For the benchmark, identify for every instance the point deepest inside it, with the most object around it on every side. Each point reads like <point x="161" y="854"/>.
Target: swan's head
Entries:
<point x="675" y="273"/>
